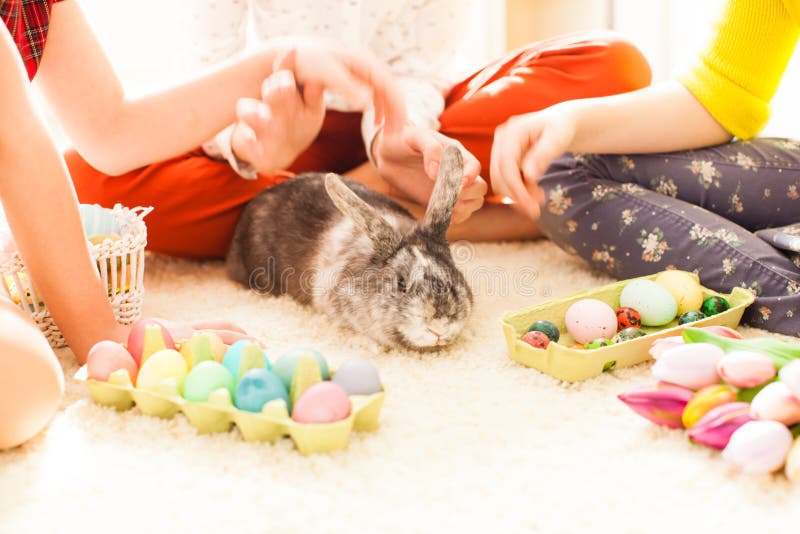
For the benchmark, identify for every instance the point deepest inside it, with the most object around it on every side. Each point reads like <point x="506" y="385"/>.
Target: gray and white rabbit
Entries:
<point x="358" y="256"/>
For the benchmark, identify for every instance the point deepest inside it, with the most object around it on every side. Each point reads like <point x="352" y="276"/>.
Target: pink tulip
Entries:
<point x="658" y="402"/>
<point x="665" y="343"/>
<point x="777" y="403"/>
<point x="693" y="365"/>
<point x="745" y="369"/>
<point x="714" y="429"/>
<point x="759" y="447"/>
<point x="790" y="375"/>
<point x="723" y="331"/>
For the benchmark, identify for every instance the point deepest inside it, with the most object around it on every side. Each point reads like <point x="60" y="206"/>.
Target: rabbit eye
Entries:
<point x="401" y="284"/>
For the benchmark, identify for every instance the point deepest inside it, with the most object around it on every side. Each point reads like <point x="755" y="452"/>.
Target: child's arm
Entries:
<point x="116" y="133"/>
<point x="42" y="211"/>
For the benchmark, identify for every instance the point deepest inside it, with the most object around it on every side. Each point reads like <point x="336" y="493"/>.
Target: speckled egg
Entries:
<point x="714" y="305"/>
<point x="164" y="365"/>
<point x="358" y="377"/>
<point x="628" y="333"/>
<point x="691" y="316"/>
<point x="549" y="329"/>
<point x="654" y="303"/>
<point x="627" y="318"/>
<point x="257" y="387"/>
<point x="536" y="339"/>
<point x="684" y="288"/>
<point x="243" y="356"/>
<point x="205" y="378"/>
<point x="285" y="365"/>
<point x="599" y="342"/>
<point x="589" y="319"/>
<point x="324" y="402"/>
<point x="106" y="357"/>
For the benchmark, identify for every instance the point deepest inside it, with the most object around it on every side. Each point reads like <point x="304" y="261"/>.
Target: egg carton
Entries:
<point x="573" y="365"/>
<point x="218" y="414"/>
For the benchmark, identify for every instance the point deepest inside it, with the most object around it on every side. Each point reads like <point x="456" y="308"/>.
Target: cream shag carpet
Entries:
<point x="469" y="440"/>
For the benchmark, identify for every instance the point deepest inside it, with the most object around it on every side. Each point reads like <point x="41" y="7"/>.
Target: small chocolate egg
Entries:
<point x="257" y="387"/>
<point x="589" y="319"/>
<point x="324" y="402"/>
<point x="243" y="356"/>
<point x="205" y="378"/>
<point x="654" y="303"/>
<point x="536" y="339"/>
<point x="627" y="334"/>
<point x="714" y="305"/>
<point x="285" y="365"/>
<point x="576" y="346"/>
<point x="157" y="339"/>
<point x="550" y="329"/>
<point x="684" y="288"/>
<point x="691" y="316"/>
<point x="599" y="342"/>
<point x="203" y="346"/>
<point x="627" y="318"/>
<point x="358" y="377"/>
<point x="105" y="357"/>
<point x="164" y="365"/>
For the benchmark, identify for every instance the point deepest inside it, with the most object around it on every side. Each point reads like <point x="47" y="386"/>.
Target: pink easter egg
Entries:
<point x="106" y="357"/>
<point x="136" y="338"/>
<point x="590" y="319"/>
<point x="324" y="402"/>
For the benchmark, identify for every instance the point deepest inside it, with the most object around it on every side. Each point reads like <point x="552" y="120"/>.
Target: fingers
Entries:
<point x="507" y="151"/>
<point x="286" y="60"/>
<point x="229" y="337"/>
<point x="426" y="143"/>
<point x="218" y="325"/>
<point x="314" y="97"/>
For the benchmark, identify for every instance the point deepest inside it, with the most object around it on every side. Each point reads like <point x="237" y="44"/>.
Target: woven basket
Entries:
<point x="120" y="263"/>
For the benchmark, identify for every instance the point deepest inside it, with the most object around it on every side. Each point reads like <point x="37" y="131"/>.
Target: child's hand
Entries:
<point x="528" y="143"/>
<point x="229" y="333"/>
<point x="272" y="132"/>
<point x="408" y="158"/>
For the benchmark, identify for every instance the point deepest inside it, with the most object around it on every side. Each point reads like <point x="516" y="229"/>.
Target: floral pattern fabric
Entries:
<point x="696" y="210"/>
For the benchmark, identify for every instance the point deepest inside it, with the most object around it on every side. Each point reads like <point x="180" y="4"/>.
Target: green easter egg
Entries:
<point x="547" y="328"/>
<point x="714" y="305"/>
<point x="691" y="316"/>
<point x="285" y="366"/>
<point x="599" y="342"/>
<point x="205" y="378"/>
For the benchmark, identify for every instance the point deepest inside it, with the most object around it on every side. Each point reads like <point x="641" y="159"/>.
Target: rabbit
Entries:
<point x="358" y="256"/>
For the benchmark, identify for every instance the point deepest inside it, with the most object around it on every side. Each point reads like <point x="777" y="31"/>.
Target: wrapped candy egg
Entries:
<point x="106" y="357"/>
<point x="146" y="337"/>
<point x="714" y="305"/>
<point x="324" y="402"/>
<point x="358" y="377"/>
<point x="684" y="288"/>
<point x="654" y="303"/>
<point x="589" y="319"/>
<point x="691" y="316"/>
<point x="628" y="334"/>
<point x="628" y="318"/>
<point x="549" y="329"/>
<point x="258" y="387"/>
<point x="536" y="339"/>
<point x="164" y="370"/>
<point x="205" y="378"/>
<point x="243" y="356"/>
<point x="203" y="346"/>
<point x="285" y="365"/>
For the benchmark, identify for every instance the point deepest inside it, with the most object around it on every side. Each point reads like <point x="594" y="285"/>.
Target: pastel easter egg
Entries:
<point x="285" y="365"/>
<point x="106" y="357"/>
<point x="258" y="387"/>
<point x="358" y="377"/>
<point x="691" y="316"/>
<point x="153" y="339"/>
<point x="203" y="346"/>
<point x="163" y="365"/>
<point x="243" y="356"/>
<point x="205" y="378"/>
<point x="654" y="303"/>
<point x="324" y="402"/>
<point x="714" y="305"/>
<point x="684" y="288"/>
<point x="536" y="339"/>
<point x="589" y="319"/>
<point x="550" y="329"/>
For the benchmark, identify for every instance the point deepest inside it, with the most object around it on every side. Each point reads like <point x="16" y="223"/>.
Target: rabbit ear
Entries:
<point x="445" y="192"/>
<point x="369" y="221"/>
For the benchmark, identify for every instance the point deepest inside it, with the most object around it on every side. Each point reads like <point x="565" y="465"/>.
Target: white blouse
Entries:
<point x="420" y="40"/>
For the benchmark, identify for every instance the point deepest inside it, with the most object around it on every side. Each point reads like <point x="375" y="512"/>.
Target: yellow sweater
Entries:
<point x="738" y="74"/>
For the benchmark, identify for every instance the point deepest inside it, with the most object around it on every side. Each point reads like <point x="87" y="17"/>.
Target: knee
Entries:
<point x="31" y="380"/>
<point x="624" y="63"/>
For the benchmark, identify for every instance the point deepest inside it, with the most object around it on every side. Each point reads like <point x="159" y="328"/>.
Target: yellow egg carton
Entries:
<point x="218" y="414"/>
<point x="571" y="364"/>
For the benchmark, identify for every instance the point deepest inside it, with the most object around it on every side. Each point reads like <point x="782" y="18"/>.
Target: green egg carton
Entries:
<point x="572" y="364"/>
<point x="218" y="414"/>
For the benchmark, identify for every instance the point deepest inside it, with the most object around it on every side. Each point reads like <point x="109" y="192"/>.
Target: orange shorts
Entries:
<point x="198" y="200"/>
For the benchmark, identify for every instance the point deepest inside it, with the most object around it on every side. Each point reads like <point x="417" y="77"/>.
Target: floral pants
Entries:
<point x="717" y="211"/>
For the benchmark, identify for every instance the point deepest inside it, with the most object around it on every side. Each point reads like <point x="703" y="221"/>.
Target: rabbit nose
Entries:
<point x="437" y="334"/>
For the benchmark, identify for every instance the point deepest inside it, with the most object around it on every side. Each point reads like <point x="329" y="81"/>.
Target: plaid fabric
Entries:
<point x="27" y="21"/>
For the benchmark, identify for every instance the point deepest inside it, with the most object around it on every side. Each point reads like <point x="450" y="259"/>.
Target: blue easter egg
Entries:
<point x="257" y="387"/>
<point x="286" y="365"/>
<point x="233" y="357"/>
